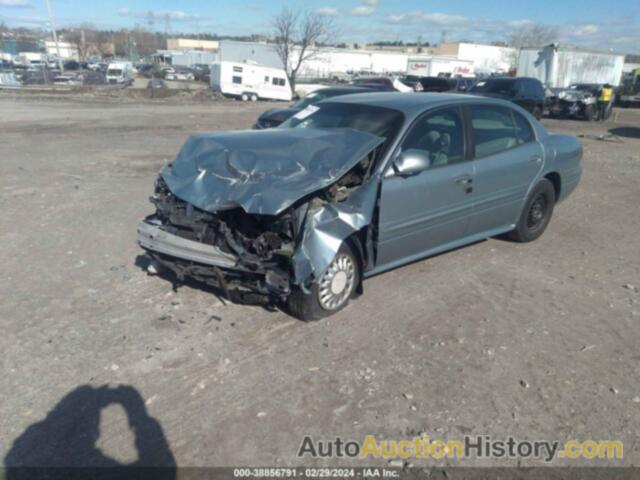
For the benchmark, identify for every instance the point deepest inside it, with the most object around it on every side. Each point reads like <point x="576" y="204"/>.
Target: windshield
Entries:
<point x="382" y="122"/>
<point x="501" y="87"/>
<point x="114" y="72"/>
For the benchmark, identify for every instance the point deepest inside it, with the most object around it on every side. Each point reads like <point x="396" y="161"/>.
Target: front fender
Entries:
<point x="327" y="225"/>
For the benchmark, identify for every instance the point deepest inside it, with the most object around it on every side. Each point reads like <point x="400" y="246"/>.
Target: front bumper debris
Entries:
<point x="212" y="266"/>
<point x="152" y="237"/>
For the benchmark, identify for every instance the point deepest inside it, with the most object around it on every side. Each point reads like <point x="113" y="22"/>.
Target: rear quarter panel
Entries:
<point x="563" y="154"/>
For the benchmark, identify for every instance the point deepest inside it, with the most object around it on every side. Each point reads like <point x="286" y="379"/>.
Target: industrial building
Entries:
<point x="192" y="44"/>
<point x="485" y="58"/>
<point x="66" y="50"/>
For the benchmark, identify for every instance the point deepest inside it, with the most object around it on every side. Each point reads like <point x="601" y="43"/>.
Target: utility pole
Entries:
<point x="55" y="35"/>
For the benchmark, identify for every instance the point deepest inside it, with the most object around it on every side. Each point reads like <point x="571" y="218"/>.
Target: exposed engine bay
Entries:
<point x="260" y="247"/>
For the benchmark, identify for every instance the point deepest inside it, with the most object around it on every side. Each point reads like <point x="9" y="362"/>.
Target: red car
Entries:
<point x="379" y="83"/>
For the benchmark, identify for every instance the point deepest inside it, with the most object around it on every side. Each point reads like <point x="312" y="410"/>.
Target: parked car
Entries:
<point x="579" y="100"/>
<point x="523" y="91"/>
<point x="249" y="81"/>
<point x="181" y="75"/>
<point x="275" y="116"/>
<point x="68" y="80"/>
<point x="381" y="82"/>
<point x="351" y="187"/>
<point x="202" y="72"/>
<point x="71" y="65"/>
<point x="628" y="93"/>
<point x="442" y="84"/>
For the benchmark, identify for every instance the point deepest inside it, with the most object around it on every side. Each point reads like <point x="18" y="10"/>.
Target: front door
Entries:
<point x="422" y="212"/>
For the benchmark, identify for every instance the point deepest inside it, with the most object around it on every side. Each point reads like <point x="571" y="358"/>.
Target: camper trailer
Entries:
<point x="249" y="81"/>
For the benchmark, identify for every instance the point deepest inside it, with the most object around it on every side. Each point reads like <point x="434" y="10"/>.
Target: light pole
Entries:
<point x="55" y="35"/>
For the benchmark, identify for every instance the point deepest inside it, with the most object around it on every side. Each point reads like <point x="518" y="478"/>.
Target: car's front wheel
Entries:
<point x="536" y="213"/>
<point x="331" y="292"/>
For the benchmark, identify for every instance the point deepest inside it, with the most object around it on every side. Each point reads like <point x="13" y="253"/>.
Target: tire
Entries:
<point x="253" y="97"/>
<point x="244" y="97"/>
<point x="311" y="306"/>
<point x="537" y="112"/>
<point x="589" y="113"/>
<point x="536" y="213"/>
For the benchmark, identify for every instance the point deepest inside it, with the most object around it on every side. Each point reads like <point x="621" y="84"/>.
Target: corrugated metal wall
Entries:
<point x="560" y="68"/>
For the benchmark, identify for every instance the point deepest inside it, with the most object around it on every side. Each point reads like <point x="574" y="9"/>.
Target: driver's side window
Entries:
<point x="439" y="136"/>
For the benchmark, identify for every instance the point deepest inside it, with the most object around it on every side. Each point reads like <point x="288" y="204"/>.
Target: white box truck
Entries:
<point x="249" y="81"/>
<point x="120" y="73"/>
<point x="558" y="66"/>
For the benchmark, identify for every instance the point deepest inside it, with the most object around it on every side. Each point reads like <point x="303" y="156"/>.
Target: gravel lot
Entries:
<point x="537" y="341"/>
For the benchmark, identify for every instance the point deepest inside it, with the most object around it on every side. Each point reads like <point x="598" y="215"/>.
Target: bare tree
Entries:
<point x="532" y="35"/>
<point x="529" y="35"/>
<point x="296" y="35"/>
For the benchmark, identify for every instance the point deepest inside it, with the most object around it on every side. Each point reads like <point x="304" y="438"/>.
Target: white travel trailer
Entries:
<point x="249" y="81"/>
<point x="120" y="73"/>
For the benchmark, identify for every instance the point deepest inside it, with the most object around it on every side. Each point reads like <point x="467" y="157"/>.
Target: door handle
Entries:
<point x="536" y="158"/>
<point x="464" y="180"/>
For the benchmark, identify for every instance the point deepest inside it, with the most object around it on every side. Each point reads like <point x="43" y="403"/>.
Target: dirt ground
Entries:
<point x="103" y="364"/>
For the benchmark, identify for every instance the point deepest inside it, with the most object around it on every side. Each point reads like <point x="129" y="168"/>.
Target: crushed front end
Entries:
<point x="258" y="213"/>
<point x="572" y="103"/>
<point x="247" y="256"/>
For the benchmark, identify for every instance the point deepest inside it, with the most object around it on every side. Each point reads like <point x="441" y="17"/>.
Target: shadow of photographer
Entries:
<point x="64" y="444"/>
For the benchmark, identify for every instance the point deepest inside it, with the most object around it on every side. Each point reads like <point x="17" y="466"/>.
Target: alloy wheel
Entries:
<point x="337" y="283"/>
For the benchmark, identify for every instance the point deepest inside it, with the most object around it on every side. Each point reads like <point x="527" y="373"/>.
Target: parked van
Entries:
<point x="249" y="81"/>
<point x="120" y="73"/>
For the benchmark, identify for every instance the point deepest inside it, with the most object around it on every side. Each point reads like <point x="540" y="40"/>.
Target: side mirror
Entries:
<point x="411" y="162"/>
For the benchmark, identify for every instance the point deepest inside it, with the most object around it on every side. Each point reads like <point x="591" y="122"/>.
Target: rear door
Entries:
<point x="507" y="160"/>
<point x="422" y="212"/>
<point x="525" y="95"/>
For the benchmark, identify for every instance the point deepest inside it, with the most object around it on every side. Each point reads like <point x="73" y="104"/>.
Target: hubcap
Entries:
<point x="537" y="212"/>
<point x="336" y="285"/>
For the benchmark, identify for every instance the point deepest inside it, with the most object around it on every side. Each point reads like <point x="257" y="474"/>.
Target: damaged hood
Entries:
<point x="263" y="171"/>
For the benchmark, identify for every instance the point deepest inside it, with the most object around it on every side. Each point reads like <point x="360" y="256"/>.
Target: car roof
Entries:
<point x="410" y="103"/>
<point x="346" y="88"/>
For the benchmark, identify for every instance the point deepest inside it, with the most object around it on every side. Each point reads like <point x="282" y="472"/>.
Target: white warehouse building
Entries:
<point x="464" y="59"/>
<point x="485" y="58"/>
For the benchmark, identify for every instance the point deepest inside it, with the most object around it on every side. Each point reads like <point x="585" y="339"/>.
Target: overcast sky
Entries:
<point x="588" y="23"/>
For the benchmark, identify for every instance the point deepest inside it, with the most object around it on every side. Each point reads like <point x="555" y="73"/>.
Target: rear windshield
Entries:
<point x="499" y="86"/>
<point x="114" y="71"/>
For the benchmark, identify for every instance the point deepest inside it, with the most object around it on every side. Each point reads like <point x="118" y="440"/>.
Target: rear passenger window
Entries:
<point x="438" y="135"/>
<point x="493" y="130"/>
<point x="524" y="134"/>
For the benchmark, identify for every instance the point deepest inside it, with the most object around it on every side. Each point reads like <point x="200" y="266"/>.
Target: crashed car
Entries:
<point x="351" y="187"/>
<point x="579" y="100"/>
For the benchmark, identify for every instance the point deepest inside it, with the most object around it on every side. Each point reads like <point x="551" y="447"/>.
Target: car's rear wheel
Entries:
<point x="254" y="97"/>
<point x="331" y="292"/>
<point x="537" y="112"/>
<point x="536" y="213"/>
